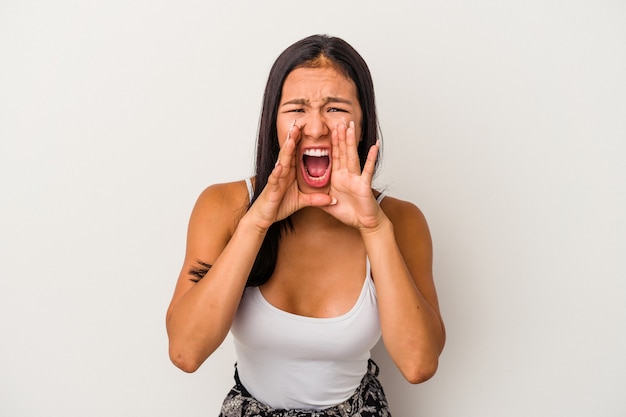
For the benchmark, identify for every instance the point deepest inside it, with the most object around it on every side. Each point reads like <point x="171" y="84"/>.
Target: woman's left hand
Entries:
<point x="356" y="205"/>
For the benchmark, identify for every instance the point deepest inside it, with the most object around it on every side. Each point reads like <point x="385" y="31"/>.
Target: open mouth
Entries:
<point x="316" y="164"/>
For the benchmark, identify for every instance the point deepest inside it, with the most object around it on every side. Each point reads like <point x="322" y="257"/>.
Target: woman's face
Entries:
<point x="318" y="100"/>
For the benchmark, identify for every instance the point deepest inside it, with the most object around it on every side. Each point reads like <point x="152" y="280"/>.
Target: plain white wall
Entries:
<point x="504" y="121"/>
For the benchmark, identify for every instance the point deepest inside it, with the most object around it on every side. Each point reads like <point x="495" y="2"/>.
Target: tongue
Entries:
<point x="316" y="166"/>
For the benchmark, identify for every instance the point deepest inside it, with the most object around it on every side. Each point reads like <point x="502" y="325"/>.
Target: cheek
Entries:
<point x="359" y="132"/>
<point x="358" y="122"/>
<point x="281" y="139"/>
<point x="281" y="132"/>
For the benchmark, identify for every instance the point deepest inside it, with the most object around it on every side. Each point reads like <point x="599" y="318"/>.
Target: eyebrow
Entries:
<point x="326" y="100"/>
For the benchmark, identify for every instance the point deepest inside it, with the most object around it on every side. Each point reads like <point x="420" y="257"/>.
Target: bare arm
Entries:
<point x="399" y="248"/>
<point x="400" y="253"/>
<point x="201" y="314"/>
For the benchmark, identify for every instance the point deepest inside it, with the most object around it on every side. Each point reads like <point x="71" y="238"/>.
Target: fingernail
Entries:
<point x="333" y="201"/>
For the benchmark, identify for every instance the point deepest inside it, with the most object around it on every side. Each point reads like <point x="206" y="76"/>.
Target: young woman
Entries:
<point x="305" y="263"/>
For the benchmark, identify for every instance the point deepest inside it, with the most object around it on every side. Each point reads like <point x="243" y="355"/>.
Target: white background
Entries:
<point x="504" y="121"/>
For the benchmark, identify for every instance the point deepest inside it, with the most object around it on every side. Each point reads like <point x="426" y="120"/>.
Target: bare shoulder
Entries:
<point x="214" y="219"/>
<point x="414" y="241"/>
<point x="411" y="231"/>
<point x="221" y="204"/>
<point x="405" y="215"/>
<point x="226" y="195"/>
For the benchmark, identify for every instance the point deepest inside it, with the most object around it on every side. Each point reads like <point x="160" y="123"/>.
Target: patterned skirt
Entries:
<point x="367" y="401"/>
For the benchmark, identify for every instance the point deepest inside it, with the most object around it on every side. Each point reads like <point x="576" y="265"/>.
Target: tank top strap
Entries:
<point x="250" y="189"/>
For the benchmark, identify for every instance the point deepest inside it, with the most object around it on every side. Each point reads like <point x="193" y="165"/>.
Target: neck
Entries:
<point x="314" y="217"/>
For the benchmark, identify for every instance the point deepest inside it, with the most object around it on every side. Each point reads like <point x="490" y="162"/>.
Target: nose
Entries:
<point x="315" y="126"/>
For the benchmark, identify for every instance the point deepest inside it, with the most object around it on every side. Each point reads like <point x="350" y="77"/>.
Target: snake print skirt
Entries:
<point x="367" y="401"/>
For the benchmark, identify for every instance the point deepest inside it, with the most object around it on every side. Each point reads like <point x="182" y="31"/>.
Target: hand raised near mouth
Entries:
<point x="356" y="205"/>
<point x="281" y="196"/>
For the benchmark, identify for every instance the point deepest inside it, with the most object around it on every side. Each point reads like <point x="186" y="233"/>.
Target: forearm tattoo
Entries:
<point x="199" y="271"/>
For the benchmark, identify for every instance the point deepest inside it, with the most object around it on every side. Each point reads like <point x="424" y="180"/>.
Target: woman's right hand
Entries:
<point x="281" y="196"/>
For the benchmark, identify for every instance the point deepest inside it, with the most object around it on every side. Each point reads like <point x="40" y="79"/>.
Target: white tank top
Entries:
<point x="289" y="361"/>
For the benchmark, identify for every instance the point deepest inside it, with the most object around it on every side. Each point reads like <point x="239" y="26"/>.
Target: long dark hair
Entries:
<point x="308" y="52"/>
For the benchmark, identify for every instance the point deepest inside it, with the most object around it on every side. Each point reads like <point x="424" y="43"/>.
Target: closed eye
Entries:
<point x="336" y="109"/>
